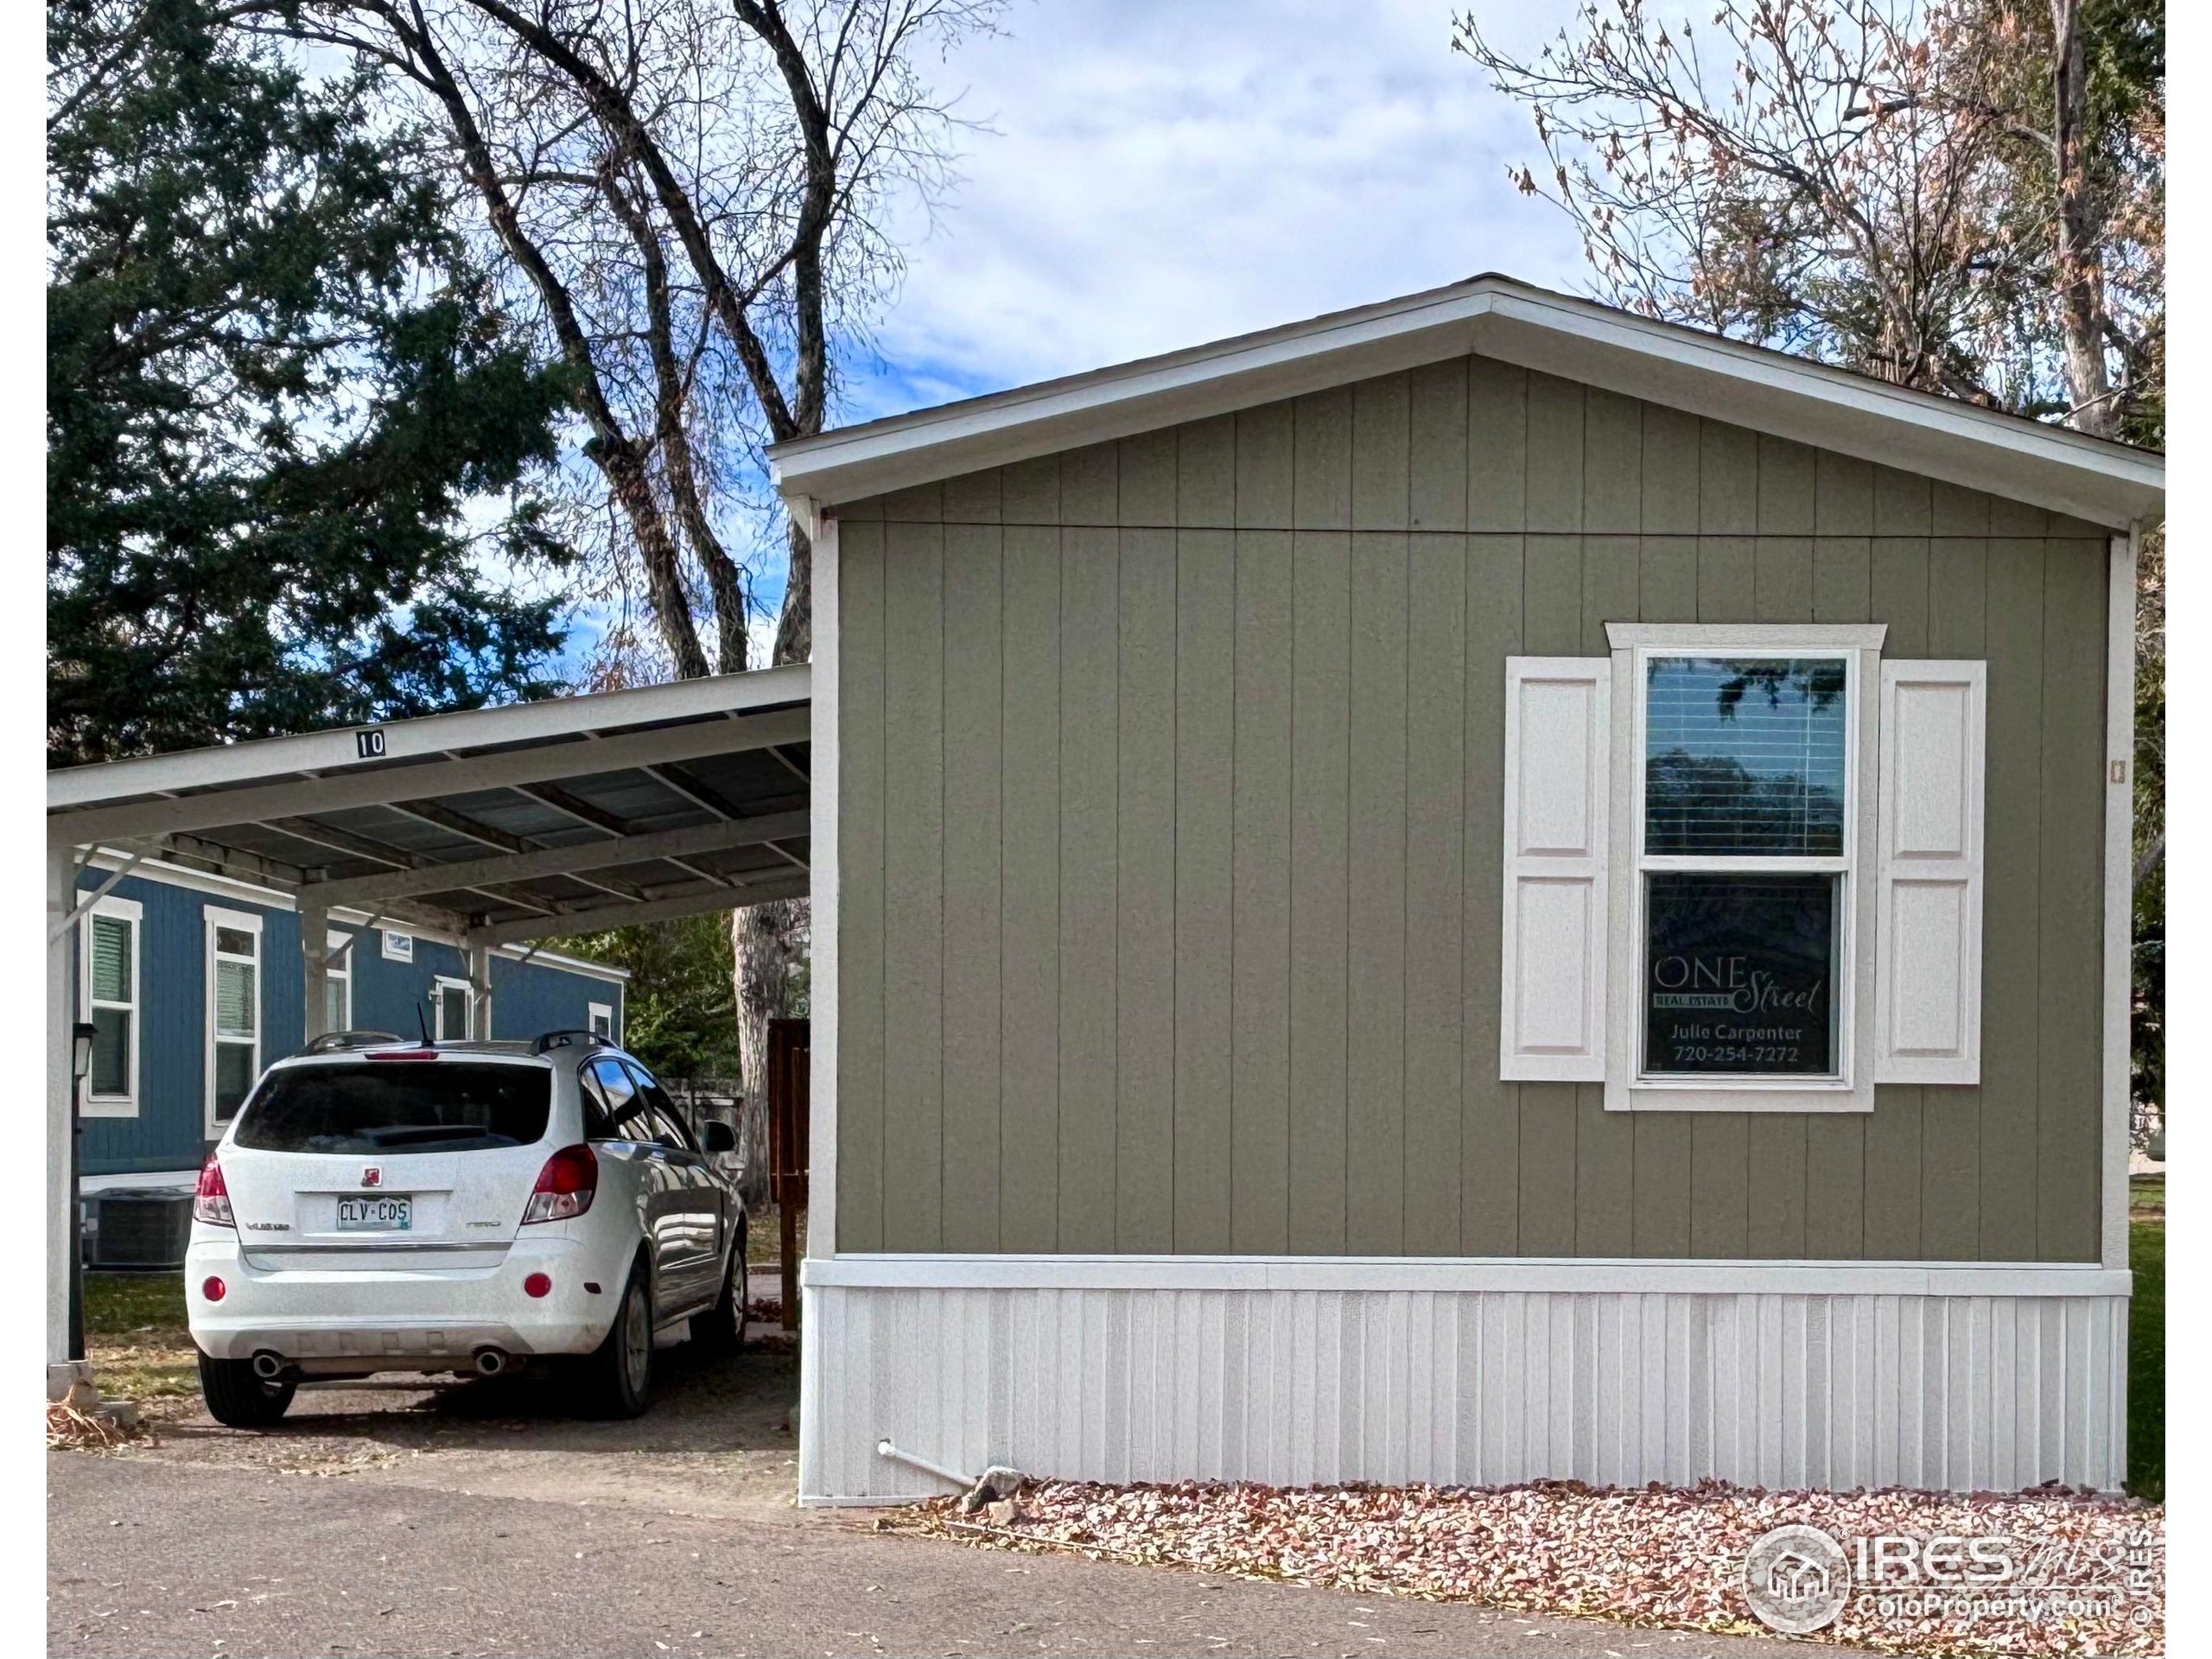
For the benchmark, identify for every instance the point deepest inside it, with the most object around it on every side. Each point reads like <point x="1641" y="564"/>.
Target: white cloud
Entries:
<point x="1161" y="174"/>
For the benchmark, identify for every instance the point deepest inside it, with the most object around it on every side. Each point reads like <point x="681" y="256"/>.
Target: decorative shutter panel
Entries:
<point x="1928" y="944"/>
<point x="1558" y="742"/>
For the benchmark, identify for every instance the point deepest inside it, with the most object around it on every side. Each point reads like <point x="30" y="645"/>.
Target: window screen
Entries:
<point x="1744" y="757"/>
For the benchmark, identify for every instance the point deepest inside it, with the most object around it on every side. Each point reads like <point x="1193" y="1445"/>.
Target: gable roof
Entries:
<point x="1495" y="316"/>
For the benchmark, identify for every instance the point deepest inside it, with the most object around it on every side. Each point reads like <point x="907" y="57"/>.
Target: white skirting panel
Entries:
<point x="1292" y="1386"/>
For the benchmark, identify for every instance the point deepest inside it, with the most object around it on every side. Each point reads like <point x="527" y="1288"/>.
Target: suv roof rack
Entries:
<point x="333" y="1042"/>
<point x="570" y="1036"/>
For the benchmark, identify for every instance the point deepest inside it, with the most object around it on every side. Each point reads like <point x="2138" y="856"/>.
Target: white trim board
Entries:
<point x="1532" y="1275"/>
<point x="1493" y="315"/>
<point x="825" y="750"/>
<point x="2115" y="1083"/>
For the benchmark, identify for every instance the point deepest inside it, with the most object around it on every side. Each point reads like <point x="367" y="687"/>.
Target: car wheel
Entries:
<point x="238" y="1398"/>
<point x="618" y="1377"/>
<point x="721" y="1330"/>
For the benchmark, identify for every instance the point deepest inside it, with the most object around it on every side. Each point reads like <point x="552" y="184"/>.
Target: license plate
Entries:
<point x="378" y="1215"/>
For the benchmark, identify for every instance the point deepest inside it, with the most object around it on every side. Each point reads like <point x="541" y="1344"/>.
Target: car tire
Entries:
<point x="617" y="1378"/>
<point x="238" y="1399"/>
<point x="721" y="1329"/>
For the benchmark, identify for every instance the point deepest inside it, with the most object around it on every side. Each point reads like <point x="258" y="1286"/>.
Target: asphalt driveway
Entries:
<point x="482" y="1519"/>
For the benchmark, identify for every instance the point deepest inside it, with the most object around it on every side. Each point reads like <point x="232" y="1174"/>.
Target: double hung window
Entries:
<point x="233" y="965"/>
<point x="1744" y="861"/>
<point x="108" y="993"/>
<point x="1742" y="869"/>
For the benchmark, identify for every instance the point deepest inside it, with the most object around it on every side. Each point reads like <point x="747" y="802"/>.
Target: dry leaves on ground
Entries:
<point x="1668" y="1558"/>
<point x="68" y="1428"/>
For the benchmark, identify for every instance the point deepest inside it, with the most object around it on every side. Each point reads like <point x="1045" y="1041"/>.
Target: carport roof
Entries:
<point x="562" y="816"/>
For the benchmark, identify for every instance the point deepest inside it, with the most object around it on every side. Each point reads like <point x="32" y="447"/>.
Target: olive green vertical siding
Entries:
<point x="1170" y="831"/>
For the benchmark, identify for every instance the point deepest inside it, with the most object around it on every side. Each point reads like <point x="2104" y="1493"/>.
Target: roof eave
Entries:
<point x="2061" y="471"/>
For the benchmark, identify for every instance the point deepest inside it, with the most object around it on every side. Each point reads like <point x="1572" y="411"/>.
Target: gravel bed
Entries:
<point x="1664" y="1558"/>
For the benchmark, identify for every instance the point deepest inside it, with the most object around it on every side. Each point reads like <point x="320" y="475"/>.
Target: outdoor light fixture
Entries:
<point x="81" y="1049"/>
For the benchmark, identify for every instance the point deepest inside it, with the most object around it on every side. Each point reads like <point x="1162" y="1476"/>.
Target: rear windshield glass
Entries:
<point x="399" y="1106"/>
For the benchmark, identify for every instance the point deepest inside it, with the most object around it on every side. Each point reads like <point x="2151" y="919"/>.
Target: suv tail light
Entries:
<point x="210" y="1201"/>
<point x="564" y="1187"/>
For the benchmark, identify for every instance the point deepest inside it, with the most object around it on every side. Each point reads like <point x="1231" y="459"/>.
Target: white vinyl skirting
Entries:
<point x="1776" y="1388"/>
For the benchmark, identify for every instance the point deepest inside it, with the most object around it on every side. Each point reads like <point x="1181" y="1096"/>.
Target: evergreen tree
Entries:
<point x="286" y="430"/>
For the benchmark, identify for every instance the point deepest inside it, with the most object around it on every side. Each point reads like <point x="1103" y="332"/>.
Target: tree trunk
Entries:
<point x="2080" y="267"/>
<point x="769" y="942"/>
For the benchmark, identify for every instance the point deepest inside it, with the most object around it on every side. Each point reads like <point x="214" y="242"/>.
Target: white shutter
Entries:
<point x="1557" y="735"/>
<point x="1928" y="945"/>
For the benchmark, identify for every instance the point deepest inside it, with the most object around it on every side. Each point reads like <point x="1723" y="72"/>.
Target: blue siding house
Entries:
<point x="192" y="982"/>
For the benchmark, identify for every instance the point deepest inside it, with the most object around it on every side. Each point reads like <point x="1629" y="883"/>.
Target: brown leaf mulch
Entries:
<point x="1670" y="1558"/>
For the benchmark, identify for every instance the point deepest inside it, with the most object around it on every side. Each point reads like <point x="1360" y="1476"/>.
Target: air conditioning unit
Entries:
<point x="140" y="1227"/>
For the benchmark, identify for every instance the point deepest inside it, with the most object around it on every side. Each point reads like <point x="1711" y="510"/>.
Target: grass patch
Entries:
<point x="2146" y="1361"/>
<point x="764" y="1240"/>
<point x="136" y="1338"/>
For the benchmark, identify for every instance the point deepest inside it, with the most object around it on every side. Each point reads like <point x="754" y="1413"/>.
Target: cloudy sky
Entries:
<point x="1160" y="173"/>
<point x="1149" y="174"/>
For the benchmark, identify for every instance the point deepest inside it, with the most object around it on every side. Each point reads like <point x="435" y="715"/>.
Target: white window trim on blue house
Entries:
<point x="130" y="909"/>
<point x="439" y="986"/>
<point x="338" y="970"/>
<point x="246" y="921"/>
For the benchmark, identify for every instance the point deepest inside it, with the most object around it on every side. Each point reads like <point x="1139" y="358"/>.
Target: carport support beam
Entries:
<point x="480" y="983"/>
<point x="63" y="1365"/>
<point x="314" y="970"/>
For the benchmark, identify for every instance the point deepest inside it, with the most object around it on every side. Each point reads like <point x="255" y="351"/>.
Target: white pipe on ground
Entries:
<point x="885" y="1449"/>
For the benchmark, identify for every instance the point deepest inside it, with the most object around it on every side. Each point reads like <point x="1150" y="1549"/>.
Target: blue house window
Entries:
<point x="233" y="1012"/>
<point x="109" y="947"/>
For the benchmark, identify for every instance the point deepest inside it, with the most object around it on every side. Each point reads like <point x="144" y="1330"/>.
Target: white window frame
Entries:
<point x="439" y="986"/>
<point x="594" y="1011"/>
<point x="1628" y="1088"/>
<point x="130" y="909"/>
<point x="244" y="921"/>
<point x="337" y="965"/>
<point x="397" y="946"/>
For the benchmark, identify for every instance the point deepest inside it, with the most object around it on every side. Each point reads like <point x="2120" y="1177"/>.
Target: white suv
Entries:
<point x="381" y="1206"/>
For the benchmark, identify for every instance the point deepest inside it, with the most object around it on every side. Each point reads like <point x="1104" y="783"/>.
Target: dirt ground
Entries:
<point x="720" y="1439"/>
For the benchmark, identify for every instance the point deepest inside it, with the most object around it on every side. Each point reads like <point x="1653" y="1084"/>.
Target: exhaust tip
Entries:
<point x="267" y="1365"/>
<point x="490" y="1362"/>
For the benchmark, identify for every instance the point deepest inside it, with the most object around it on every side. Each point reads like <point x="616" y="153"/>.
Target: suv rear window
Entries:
<point x="399" y="1106"/>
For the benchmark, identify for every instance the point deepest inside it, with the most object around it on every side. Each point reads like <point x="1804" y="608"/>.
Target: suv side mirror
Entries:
<point x="717" y="1137"/>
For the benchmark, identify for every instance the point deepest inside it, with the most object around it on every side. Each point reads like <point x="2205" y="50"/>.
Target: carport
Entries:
<point x="500" y="825"/>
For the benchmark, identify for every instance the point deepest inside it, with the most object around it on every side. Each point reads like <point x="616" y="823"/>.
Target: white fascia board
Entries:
<point x="2048" y="466"/>
<point x="1525" y="1274"/>
<point x="2007" y="456"/>
<point x="556" y="720"/>
<point x="606" y="970"/>
<point x="1113" y="402"/>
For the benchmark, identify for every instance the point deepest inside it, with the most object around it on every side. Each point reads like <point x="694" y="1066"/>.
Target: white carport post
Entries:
<point x="62" y="1367"/>
<point x="480" y="983"/>
<point x="315" y="967"/>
